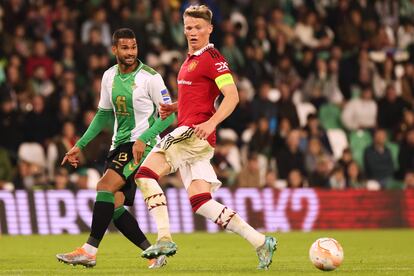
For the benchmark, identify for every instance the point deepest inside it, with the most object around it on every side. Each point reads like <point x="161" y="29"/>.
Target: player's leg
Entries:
<point x="103" y="211"/>
<point x="154" y="166"/>
<point x="128" y="226"/>
<point x="203" y="204"/>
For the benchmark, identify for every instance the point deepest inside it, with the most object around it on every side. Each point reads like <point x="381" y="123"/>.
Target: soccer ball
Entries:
<point x="326" y="254"/>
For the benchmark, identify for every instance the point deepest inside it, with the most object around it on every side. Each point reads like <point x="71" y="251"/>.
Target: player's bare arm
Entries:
<point x="229" y="103"/>
<point x="167" y="109"/>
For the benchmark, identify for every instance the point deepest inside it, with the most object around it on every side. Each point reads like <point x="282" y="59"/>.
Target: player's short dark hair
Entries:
<point x="122" y="33"/>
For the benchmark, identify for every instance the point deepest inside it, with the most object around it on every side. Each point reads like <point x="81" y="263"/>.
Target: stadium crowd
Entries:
<point x="326" y="88"/>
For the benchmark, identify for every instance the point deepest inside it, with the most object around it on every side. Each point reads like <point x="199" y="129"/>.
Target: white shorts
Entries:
<point x="185" y="152"/>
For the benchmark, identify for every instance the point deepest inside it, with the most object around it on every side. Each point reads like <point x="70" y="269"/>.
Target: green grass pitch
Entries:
<point x="369" y="252"/>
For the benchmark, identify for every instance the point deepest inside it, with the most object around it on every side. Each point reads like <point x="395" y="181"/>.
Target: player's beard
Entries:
<point x="128" y="63"/>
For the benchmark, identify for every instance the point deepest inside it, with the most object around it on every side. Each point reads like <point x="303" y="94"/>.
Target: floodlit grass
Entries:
<point x="370" y="252"/>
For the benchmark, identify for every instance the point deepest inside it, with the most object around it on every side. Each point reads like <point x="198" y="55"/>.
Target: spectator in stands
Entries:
<point x="286" y="73"/>
<point x="313" y="129"/>
<point x="271" y="179"/>
<point x="37" y="123"/>
<point x="296" y="179"/>
<point x="261" y="142"/>
<point x="232" y="53"/>
<point x="354" y="176"/>
<point x="409" y="179"/>
<point x="310" y="35"/>
<point x="259" y="68"/>
<point x="320" y="177"/>
<point x="407" y="83"/>
<point x="279" y="139"/>
<point x="261" y="105"/>
<point x="98" y="20"/>
<point x="290" y="157"/>
<point x="285" y="106"/>
<point x="62" y="181"/>
<point x="313" y="153"/>
<point x="406" y="154"/>
<point x="378" y="161"/>
<point x="405" y="125"/>
<point x="224" y="169"/>
<point x="337" y="181"/>
<point x="59" y="146"/>
<point x="345" y="159"/>
<point x="249" y="176"/>
<point x="361" y="112"/>
<point x="96" y="151"/>
<point x="391" y="108"/>
<point x="384" y="77"/>
<point x="156" y="32"/>
<point x="39" y="58"/>
<point x="11" y="122"/>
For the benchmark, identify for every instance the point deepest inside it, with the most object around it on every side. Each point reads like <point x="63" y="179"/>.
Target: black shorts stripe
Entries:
<point x="170" y="140"/>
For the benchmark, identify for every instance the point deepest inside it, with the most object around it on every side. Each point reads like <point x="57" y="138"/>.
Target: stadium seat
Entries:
<point x="304" y="109"/>
<point x="330" y="116"/>
<point x="358" y="141"/>
<point x="32" y="152"/>
<point x="337" y="139"/>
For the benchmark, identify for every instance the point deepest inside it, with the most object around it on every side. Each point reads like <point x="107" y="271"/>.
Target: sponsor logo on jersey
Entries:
<point x="192" y="65"/>
<point x="131" y="167"/>
<point x="165" y="96"/>
<point x="184" y="82"/>
<point x="222" y="66"/>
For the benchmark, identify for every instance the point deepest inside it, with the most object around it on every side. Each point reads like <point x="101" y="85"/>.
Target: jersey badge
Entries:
<point x="192" y="65"/>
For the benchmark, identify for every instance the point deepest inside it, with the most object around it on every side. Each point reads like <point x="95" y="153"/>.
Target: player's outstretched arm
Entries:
<point x="98" y="123"/>
<point x="229" y="103"/>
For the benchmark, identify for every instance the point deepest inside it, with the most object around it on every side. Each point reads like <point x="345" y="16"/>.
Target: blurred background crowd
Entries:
<point x="326" y="88"/>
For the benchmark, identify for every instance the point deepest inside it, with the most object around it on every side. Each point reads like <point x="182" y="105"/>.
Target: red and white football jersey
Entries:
<point x="197" y="88"/>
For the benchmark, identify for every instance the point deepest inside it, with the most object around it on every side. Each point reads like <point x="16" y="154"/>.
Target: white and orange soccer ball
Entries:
<point x="326" y="254"/>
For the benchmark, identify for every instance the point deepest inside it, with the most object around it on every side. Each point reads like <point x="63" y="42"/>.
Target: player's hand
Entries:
<point x="72" y="156"/>
<point x="166" y="110"/>
<point x="204" y="130"/>
<point x="138" y="150"/>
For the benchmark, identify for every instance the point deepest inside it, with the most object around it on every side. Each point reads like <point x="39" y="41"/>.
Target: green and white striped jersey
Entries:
<point x="134" y="98"/>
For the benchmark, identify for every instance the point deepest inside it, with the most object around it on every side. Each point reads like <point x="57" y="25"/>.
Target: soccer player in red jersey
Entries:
<point x="202" y="77"/>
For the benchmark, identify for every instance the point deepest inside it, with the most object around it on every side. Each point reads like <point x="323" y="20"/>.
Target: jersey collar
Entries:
<point x="202" y="50"/>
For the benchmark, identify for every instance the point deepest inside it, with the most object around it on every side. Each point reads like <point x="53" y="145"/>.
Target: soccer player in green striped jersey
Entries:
<point x="131" y="93"/>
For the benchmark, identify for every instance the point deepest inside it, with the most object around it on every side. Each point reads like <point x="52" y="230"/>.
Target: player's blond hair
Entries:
<point x="199" y="12"/>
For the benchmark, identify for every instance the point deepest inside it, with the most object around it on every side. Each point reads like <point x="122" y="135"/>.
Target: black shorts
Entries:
<point x="121" y="161"/>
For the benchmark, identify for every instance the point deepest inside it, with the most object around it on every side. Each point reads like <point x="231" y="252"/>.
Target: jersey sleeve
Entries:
<point x="105" y="98"/>
<point x="158" y="94"/>
<point x="218" y="69"/>
<point x="158" y="91"/>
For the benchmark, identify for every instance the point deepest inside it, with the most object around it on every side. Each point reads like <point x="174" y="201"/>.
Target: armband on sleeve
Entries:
<point x="224" y="80"/>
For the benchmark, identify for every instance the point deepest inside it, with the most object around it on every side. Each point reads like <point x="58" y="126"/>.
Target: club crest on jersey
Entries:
<point x="192" y="65"/>
<point x="134" y="86"/>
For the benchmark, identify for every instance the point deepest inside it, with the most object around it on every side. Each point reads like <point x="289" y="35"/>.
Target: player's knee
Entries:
<point x="145" y="172"/>
<point x="105" y="186"/>
<point x="199" y="200"/>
